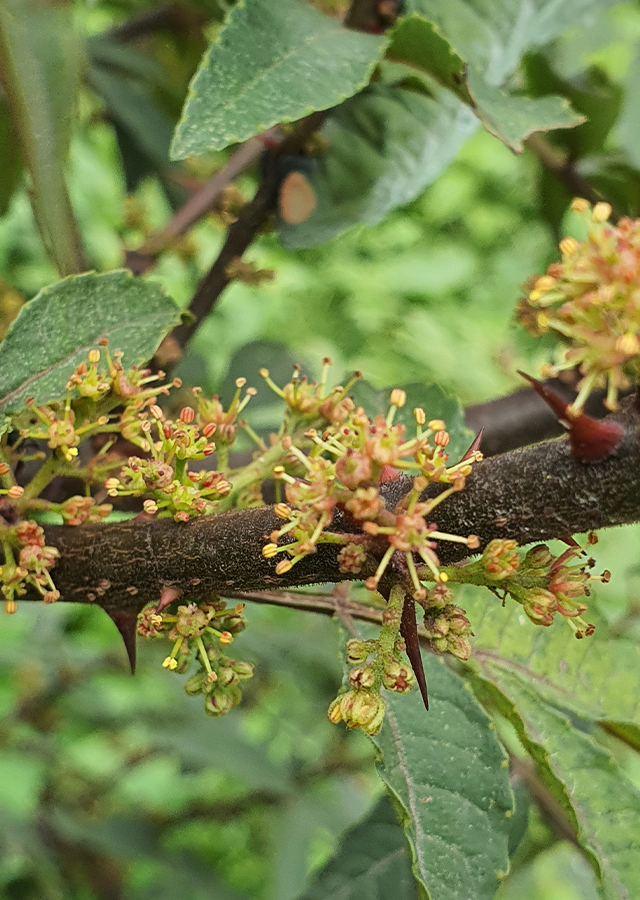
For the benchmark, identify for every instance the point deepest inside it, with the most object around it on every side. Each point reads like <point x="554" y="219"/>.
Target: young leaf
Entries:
<point x="372" y="862"/>
<point x="53" y="332"/>
<point x="601" y="803"/>
<point x="385" y="146"/>
<point x="270" y="63"/>
<point x="448" y="775"/>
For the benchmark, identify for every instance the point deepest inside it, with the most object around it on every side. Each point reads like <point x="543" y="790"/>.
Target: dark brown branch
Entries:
<point x="535" y="494"/>
<point x="172" y="16"/>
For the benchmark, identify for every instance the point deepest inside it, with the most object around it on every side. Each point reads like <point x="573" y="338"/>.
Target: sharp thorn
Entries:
<point x="409" y="631"/>
<point x="126" y="621"/>
<point x="475" y="445"/>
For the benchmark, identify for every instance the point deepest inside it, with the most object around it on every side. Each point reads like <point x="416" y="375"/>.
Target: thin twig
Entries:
<point x="243" y="231"/>
<point x="196" y="207"/>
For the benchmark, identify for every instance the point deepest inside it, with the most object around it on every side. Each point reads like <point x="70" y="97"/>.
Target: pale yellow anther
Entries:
<point x="419" y="415"/>
<point x="601" y="212"/>
<point x="628" y="344"/>
<point x="545" y="283"/>
<point x="284" y="566"/>
<point x="568" y="246"/>
<point x="240" y="382"/>
<point x="269" y="550"/>
<point x="282" y="511"/>
<point x="398" y="397"/>
<point x="94" y="356"/>
<point x="436" y="425"/>
<point x="579" y="205"/>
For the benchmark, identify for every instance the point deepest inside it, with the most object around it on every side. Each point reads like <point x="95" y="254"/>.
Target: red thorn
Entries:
<point x="475" y="445"/>
<point x="126" y="621"/>
<point x="590" y="439"/>
<point x="409" y="631"/>
<point x="167" y="596"/>
<point x="389" y="473"/>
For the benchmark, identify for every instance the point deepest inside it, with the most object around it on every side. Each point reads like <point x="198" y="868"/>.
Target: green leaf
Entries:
<point x="372" y="862"/>
<point x="602" y="804"/>
<point x="385" y="146"/>
<point x="10" y="161"/>
<point x="53" y="332"/>
<point x="270" y="63"/>
<point x="434" y="401"/>
<point x="418" y="41"/>
<point x="449" y="778"/>
<point x="493" y="37"/>
<point x="40" y="60"/>
<point x="584" y="676"/>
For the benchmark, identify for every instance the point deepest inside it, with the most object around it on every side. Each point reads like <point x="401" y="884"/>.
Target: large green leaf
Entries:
<point x="511" y="118"/>
<point x="602" y="804"/>
<point x="40" y="59"/>
<point x="584" y="676"/>
<point x="449" y="778"/>
<point x="53" y="332"/>
<point x="385" y="146"/>
<point x="372" y="863"/>
<point x="270" y="63"/>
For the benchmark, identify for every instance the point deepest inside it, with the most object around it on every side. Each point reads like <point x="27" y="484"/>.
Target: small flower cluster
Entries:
<point x="361" y="705"/>
<point x="543" y="584"/>
<point x="35" y="560"/>
<point x="344" y="468"/>
<point x="92" y="392"/>
<point x="171" y="487"/>
<point x="447" y="627"/>
<point x="592" y="300"/>
<point x="203" y="628"/>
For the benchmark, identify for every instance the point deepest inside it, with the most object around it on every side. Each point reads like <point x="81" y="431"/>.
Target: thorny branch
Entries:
<point x="535" y="494"/>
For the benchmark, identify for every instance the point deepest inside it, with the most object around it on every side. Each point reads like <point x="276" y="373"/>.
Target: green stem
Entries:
<point x="258" y="470"/>
<point x="41" y="479"/>
<point x="389" y="634"/>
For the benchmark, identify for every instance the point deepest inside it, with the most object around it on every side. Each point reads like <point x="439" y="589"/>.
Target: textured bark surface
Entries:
<point x="529" y="495"/>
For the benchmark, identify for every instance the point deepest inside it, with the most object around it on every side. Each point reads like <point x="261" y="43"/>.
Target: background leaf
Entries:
<point x="603" y="806"/>
<point x="584" y="676"/>
<point x="510" y="118"/>
<point x="53" y="332"/>
<point x="373" y="862"/>
<point x="385" y="146"/>
<point x="449" y="777"/>
<point x="40" y="60"/>
<point x="270" y="63"/>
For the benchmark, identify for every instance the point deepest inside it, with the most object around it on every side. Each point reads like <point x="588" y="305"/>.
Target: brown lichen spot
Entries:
<point x="132" y="590"/>
<point x="501" y="521"/>
<point x="194" y="581"/>
<point x="104" y="583"/>
<point x="91" y="597"/>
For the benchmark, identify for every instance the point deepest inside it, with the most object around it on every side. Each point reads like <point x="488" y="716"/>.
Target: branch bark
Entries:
<point x="535" y="494"/>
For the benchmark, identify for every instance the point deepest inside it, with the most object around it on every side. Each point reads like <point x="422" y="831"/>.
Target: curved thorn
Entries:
<point x="591" y="439"/>
<point x="126" y="621"/>
<point x="409" y="631"/>
<point x="475" y="445"/>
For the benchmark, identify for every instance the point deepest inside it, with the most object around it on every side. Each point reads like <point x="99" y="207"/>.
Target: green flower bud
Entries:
<point x="195" y="684"/>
